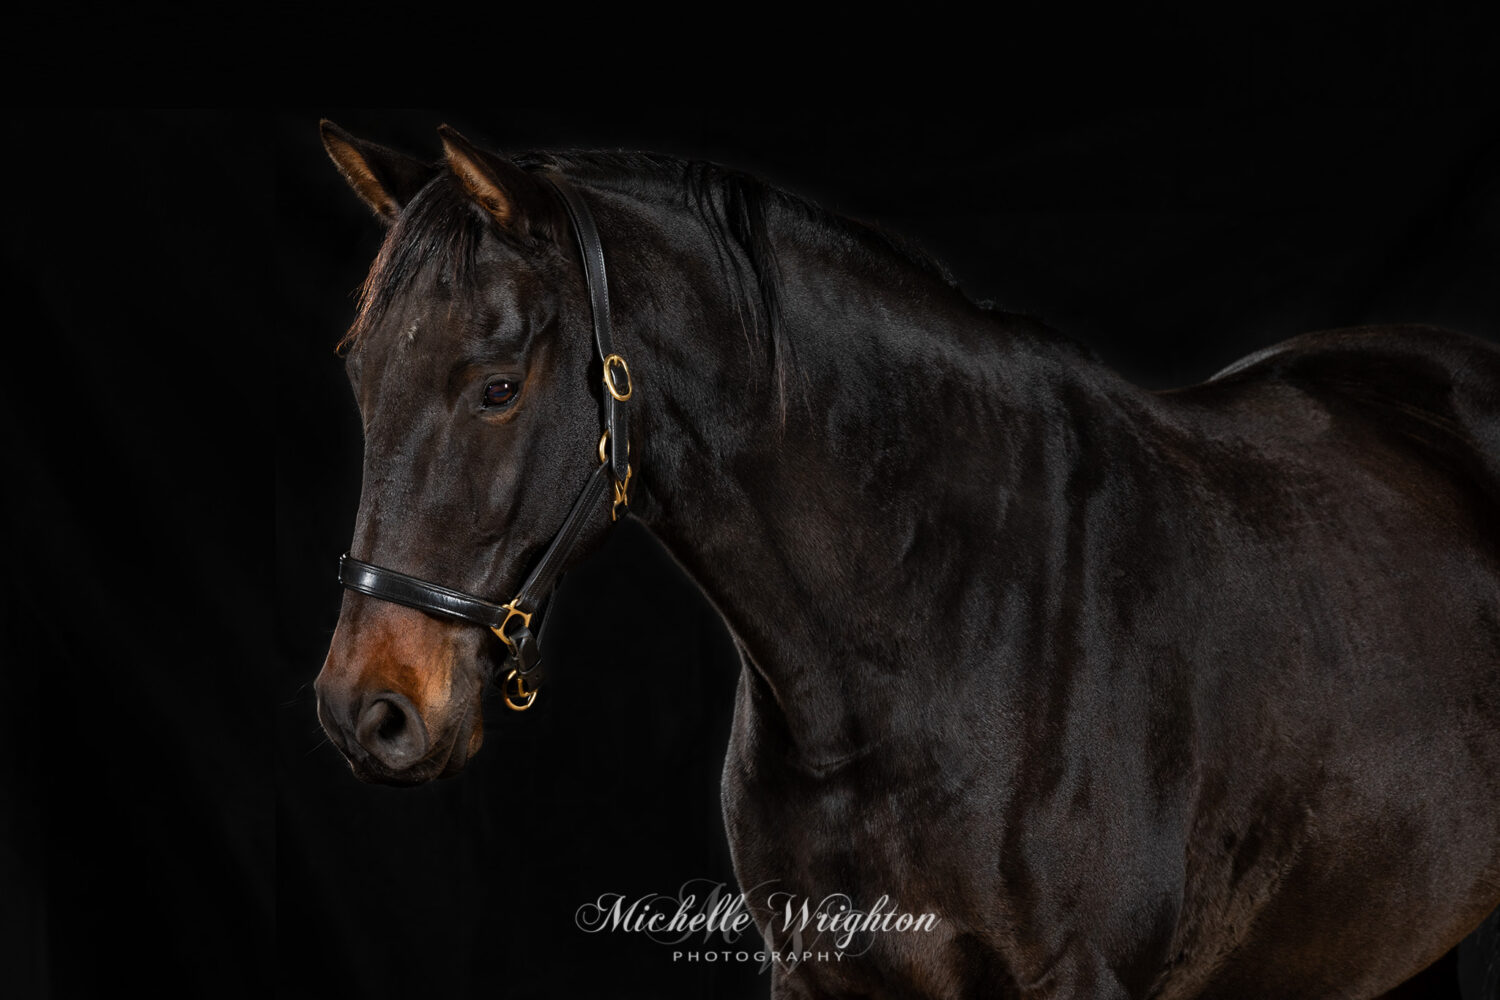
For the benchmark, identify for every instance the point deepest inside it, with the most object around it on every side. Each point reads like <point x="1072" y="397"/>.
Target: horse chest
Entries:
<point x="860" y="867"/>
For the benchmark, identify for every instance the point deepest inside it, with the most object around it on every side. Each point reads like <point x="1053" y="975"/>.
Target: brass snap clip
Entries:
<point x="518" y="697"/>
<point x="622" y="496"/>
<point x="512" y="612"/>
<point x="622" y="490"/>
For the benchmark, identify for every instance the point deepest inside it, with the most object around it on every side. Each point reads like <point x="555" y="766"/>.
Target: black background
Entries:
<point x="190" y="458"/>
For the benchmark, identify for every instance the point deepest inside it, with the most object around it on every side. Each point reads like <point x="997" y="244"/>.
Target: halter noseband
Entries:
<point x="512" y="622"/>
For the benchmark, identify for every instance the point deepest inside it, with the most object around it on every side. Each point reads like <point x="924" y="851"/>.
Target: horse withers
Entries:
<point x="1170" y="694"/>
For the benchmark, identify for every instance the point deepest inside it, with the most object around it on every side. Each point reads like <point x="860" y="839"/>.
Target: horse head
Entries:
<point x="480" y="392"/>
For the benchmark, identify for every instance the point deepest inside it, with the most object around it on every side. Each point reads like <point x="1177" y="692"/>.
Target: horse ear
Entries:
<point x="501" y="188"/>
<point x="385" y="179"/>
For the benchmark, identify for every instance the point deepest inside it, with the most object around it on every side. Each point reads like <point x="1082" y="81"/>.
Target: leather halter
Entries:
<point x="512" y="622"/>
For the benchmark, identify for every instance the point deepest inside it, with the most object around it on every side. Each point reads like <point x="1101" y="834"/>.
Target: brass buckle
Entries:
<point x="514" y="689"/>
<point x="512" y="612"/>
<point x="610" y="382"/>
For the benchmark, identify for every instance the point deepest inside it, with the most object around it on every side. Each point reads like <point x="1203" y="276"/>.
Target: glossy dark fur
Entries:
<point x="1183" y="694"/>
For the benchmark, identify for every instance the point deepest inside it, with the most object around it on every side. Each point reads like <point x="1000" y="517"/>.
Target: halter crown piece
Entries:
<point x="512" y="622"/>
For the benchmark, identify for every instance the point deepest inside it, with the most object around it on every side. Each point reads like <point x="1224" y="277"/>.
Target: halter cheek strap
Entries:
<point x="512" y="622"/>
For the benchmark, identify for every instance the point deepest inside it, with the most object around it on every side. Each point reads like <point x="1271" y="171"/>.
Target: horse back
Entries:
<point x="1436" y="389"/>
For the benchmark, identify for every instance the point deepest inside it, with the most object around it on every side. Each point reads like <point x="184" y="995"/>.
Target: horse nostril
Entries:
<point x="391" y="730"/>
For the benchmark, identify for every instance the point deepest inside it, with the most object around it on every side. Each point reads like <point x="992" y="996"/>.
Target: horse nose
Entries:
<point x="390" y="729"/>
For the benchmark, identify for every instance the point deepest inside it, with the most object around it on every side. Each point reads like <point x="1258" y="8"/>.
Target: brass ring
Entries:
<point x="609" y="377"/>
<point x="604" y="439"/>
<point x="520" y="692"/>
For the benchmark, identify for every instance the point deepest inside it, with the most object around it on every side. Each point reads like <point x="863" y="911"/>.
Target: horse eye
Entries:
<point x="500" y="391"/>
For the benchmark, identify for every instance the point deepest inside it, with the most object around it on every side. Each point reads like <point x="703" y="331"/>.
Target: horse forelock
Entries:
<point x="439" y="228"/>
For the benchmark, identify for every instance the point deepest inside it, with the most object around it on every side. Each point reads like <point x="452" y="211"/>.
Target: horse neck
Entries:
<point x="918" y="439"/>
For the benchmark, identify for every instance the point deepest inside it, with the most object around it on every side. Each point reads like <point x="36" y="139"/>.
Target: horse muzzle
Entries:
<point x="403" y="702"/>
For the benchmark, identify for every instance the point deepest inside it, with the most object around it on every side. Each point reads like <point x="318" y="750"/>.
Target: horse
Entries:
<point x="1170" y="694"/>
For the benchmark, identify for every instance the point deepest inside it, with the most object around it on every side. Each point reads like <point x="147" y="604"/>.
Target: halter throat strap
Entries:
<point x="616" y="415"/>
<point x="512" y="622"/>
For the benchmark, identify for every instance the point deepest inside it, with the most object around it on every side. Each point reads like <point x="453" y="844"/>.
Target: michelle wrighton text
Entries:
<point x="703" y="911"/>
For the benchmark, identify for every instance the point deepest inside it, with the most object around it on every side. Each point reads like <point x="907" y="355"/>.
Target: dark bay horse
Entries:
<point x="1180" y="694"/>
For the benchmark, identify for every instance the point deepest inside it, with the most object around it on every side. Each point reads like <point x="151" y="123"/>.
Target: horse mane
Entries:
<point x="439" y="227"/>
<point x="735" y="209"/>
